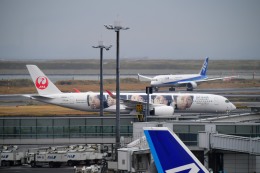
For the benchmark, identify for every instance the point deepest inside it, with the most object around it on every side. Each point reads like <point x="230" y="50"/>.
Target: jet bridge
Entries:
<point x="134" y="158"/>
<point x="229" y="142"/>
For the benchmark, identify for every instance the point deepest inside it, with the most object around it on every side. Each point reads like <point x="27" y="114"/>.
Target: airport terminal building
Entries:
<point x="224" y="143"/>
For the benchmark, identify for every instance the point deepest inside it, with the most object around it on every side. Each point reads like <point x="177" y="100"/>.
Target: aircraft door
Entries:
<point x="67" y="100"/>
<point x="216" y="101"/>
<point x="71" y="100"/>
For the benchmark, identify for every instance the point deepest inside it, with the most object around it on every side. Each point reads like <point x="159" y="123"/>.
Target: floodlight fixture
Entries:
<point x="117" y="27"/>
<point x="101" y="46"/>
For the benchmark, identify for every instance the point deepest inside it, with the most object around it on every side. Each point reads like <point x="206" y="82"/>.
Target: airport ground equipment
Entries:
<point x="10" y="156"/>
<point x="64" y="155"/>
<point x="89" y="169"/>
<point x="47" y="156"/>
<point x="84" y="155"/>
<point x="51" y="159"/>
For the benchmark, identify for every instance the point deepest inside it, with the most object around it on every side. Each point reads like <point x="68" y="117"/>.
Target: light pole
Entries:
<point x="101" y="47"/>
<point x="117" y="27"/>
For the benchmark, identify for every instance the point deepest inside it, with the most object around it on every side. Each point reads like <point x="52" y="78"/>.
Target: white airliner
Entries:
<point x="170" y="154"/>
<point x="160" y="104"/>
<point x="188" y="80"/>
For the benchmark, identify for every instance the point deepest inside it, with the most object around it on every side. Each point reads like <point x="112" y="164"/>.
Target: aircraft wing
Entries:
<point x="131" y="104"/>
<point x="226" y="78"/>
<point x="36" y="96"/>
<point x="146" y="77"/>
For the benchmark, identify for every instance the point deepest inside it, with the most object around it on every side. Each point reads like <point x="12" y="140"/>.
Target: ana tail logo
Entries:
<point x="204" y="68"/>
<point x="170" y="154"/>
<point x="193" y="168"/>
<point x="42" y="82"/>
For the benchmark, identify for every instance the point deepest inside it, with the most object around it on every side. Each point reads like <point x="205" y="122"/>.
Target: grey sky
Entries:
<point x="54" y="29"/>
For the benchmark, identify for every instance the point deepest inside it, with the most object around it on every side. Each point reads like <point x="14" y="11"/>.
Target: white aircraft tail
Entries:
<point x="42" y="83"/>
<point x="170" y="154"/>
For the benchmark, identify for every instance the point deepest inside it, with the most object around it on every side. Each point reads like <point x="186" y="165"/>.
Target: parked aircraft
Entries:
<point x="170" y="154"/>
<point x="160" y="104"/>
<point x="188" y="80"/>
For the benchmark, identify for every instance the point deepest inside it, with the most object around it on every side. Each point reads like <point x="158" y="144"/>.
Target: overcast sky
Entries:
<point x="173" y="29"/>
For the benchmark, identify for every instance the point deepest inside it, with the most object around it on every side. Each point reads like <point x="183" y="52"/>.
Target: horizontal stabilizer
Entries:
<point x="226" y="78"/>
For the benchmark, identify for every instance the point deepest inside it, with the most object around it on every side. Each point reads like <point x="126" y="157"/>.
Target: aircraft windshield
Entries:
<point x="227" y="101"/>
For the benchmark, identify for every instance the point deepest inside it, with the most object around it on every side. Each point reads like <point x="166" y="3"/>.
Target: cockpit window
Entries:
<point x="227" y="101"/>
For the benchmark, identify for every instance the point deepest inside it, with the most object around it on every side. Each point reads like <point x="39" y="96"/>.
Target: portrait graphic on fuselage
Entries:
<point x="138" y="98"/>
<point x="183" y="101"/>
<point x="111" y="101"/>
<point x="162" y="99"/>
<point x="93" y="101"/>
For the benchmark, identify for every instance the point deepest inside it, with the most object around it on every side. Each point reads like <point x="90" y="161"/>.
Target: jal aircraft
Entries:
<point x="170" y="154"/>
<point x="160" y="104"/>
<point x="188" y="80"/>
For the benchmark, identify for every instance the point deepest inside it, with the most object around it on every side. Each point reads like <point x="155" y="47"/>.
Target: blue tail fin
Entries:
<point x="204" y="68"/>
<point x="170" y="154"/>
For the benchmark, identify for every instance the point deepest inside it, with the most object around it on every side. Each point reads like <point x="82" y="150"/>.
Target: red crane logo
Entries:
<point x="41" y="82"/>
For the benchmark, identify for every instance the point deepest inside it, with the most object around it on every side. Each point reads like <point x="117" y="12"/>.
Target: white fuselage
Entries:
<point x="175" y="80"/>
<point x="183" y="102"/>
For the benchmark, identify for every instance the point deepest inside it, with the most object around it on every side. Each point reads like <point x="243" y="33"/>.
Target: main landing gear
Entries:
<point x="189" y="89"/>
<point x="156" y="89"/>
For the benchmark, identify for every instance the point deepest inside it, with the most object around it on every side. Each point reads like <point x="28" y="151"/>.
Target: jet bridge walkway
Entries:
<point x="229" y="142"/>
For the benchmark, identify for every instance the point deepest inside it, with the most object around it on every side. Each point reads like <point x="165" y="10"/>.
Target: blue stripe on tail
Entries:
<point x="170" y="154"/>
<point x="204" y="68"/>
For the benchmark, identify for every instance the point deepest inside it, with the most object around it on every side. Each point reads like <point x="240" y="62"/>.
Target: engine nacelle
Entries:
<point x="163" y="110"/>
<point x="191" y="86"/>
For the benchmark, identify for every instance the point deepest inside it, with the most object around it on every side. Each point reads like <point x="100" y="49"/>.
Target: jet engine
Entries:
<point x="191" y="86"/>
<point x="163" y="110"/>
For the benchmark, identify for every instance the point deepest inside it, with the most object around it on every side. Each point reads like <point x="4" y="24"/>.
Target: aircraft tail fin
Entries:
<point x="42" y="83"/>
<point x="170" y="154"/>
<point x="204" y="68"/>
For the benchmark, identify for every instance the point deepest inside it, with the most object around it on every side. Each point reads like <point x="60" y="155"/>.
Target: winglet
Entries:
<point x="204" y="68"/>
<point x="111" y="94"/>
<point x="170" y="153"/>
<point x="145" y="77"/>
<point x="76" y="90"/>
